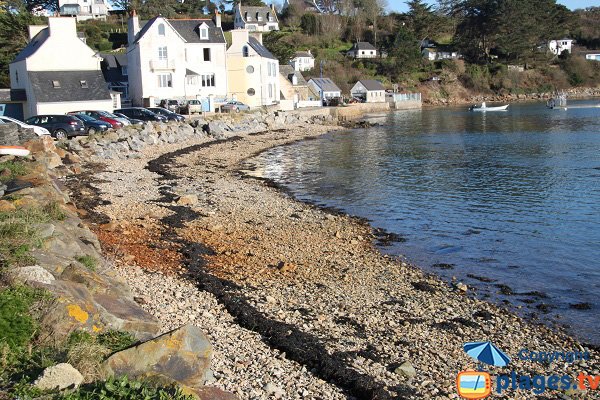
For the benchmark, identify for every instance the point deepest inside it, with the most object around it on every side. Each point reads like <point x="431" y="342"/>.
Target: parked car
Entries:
<point x="133" y="121"/>
<point x="93" y="125"/>
<point x="105" y="116"/>
<point x="234" y="105"/>
<point x="170" y="115"/>
<point x="38" y="130"/>
<point x="60" y="126"/>
<point x="193" y="106"/>
<point x="141" y="113"/>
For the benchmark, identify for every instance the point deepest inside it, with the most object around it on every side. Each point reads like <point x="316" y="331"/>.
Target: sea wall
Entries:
<point x="64" y="259"/>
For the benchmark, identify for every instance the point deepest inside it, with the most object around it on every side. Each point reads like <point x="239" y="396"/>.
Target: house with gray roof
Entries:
<point x="83" y="9"/>
<point x="325" y="88"/>
<point x="362" y="50"/>
<point x="57" y="85"/>
<point x="293" y="85"/>
<point x="303" y="61"/>
<point x="261" y="19"/>
<point x="180" y="59"/>
<point x="369" y="91"/>
<point x="115" y="71"/>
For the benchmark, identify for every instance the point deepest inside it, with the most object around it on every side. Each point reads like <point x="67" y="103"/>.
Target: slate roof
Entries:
<point x="260" y="49"/>
<point x="288" y="71"/>
<point x="111" y="66"/>
<point x="35" y="43"/>
<point x="326" y="84"/>
<point x="188" y="29"/>
<point x="70" y="86"/>
<point x="372" y="84"/>
<point x="363" y="46"/>
<point x="262" y="11"/>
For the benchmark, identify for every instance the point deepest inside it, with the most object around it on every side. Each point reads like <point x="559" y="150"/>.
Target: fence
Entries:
<point x="398" y="97"/>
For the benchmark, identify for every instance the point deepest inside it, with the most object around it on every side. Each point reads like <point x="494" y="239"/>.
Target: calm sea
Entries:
<point x="511" y="200"/>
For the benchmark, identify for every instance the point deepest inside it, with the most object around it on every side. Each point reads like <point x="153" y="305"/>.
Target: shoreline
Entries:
<point x="338" y="325"/>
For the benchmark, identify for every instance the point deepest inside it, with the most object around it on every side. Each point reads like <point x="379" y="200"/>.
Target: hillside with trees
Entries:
<point x="490" y="34"/>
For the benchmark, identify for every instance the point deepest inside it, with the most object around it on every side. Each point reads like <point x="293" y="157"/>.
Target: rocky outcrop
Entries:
<point x="10" y="134"/>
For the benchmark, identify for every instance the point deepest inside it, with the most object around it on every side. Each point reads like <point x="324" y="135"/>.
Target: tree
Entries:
<point x="277" y="43"/>
<point x="405" y="51"/>
<point x="373" y="10"/>
<point x="423" y="20"/>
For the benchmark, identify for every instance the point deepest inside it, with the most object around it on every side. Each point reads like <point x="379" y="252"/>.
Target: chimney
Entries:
<point x="62" y="27"/>
<point x="239" y="37"/>
<point x="218" y="19"/>
<point x="35" y="29"/>
<point x="273" y="8"/>
<point x="257" y="35"/>
<point x="133" y="27"/>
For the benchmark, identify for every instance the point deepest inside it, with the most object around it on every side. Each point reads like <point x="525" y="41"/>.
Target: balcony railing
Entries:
<point x="164" y="65"/>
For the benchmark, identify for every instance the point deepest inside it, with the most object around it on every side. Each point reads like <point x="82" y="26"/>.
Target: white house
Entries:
<point x="83" y="9"/>
<point x="325" y="88"/>
<point x="56" y="84"/>
<point x="302" y="6"/>
<point x="362" y="50"/>
<point x="262" y="19"/>
<point x="176" y="59"/>
<point x="252" y="71"/>
<point x="439" y="53"/>
<point x="303" y="61"/>
<point x="369" y="91"/>
<point x="557" y="47"/>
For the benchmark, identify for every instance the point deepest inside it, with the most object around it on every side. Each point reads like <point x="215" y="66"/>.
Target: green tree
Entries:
<point x="277" y="43"/>
<point x="405" y="51"/>
<point x="424" y="22"/>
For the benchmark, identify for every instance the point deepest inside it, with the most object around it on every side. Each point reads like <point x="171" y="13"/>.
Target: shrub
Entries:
<point x="88" y="261"/>
<point x="15" y="168"/>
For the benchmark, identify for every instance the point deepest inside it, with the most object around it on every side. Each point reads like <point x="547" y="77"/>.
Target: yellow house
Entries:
<point x="252" y="71"/>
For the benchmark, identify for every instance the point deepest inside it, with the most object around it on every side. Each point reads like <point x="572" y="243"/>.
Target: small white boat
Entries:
<point x="14" y="151"/>
<point x="484" y="107"/>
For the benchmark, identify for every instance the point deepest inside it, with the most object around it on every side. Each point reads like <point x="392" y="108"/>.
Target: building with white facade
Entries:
<point x="362" y="50"/>
<point x="325" y="88"/>
<point x="83" y="9"/>
<point x="439" y="53"/>
<point x="252" y="71"/>
<point x="55" y="84"/>
<point x="303" y="61"/>
<point x="557" y="47"/>
<point x="179" y="59"/>
<point x="261" y="19"/>
<point x="369" y="91"/>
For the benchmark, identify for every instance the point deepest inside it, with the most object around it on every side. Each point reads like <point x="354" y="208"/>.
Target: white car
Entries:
<point x="37" y="129"/>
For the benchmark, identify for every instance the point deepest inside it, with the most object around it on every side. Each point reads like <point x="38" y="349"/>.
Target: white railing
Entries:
<point x="162" y="65"/>
<point x="308" y="103"/>
<point x="396" y="97"/>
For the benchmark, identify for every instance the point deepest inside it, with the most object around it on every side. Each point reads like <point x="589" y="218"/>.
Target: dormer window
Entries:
<point x="56" y="84"/>
<point x="161" y="30"/>
<point x="258" y="17"/>
<point x="204" y="32"/>
<point x="269" y="17"/>
<point x="84" y="84"/>
<point x="247" y="17"/>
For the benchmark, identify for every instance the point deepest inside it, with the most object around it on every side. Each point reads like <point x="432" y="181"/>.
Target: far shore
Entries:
<point x="298" y="301"/>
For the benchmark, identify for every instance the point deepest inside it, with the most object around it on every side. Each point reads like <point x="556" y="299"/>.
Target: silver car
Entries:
<point x="234" y="105"/>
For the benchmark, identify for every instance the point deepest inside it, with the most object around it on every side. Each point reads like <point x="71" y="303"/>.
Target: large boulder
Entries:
<point x="182" y="355"/>
<point x="32" y="274"/>
<point x="60" y="376"/>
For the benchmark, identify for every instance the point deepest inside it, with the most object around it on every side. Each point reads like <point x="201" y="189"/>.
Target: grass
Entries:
<point x="15" y="169"/>
<point x="88" y="261"/>
<point x="18" y="232"/>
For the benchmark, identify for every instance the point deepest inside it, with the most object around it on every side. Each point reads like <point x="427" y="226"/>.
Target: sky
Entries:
<point x="400" y="5"/>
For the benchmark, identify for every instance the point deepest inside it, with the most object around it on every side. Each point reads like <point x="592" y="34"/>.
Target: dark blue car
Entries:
<point x="170" y="115"/>
<point x="93" y="125"/>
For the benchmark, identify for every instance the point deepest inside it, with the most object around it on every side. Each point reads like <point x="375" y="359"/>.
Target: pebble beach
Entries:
<point x="297" y="301"/>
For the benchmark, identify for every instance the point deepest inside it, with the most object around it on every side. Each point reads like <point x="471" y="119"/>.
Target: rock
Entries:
<point x="285" y="266"/>
<point x="188" y="200"/>
<point x="406" y="369"/>
<point x="33" y="273"/>
<point x="462" y="287"/>
<point x="210" y="393"/>
<point x="182" y="355"/>
<point x="121" y="313"/>
<point x="274" y="390"/>
<point x="51" y="160"/>
<point x="59" y="376"/>
<point x="44" y="230"/>
<point x="71" y="158"/>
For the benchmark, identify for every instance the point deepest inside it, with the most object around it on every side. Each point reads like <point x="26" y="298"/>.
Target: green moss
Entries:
<point x="88" y="261"/>
<point x="116" y="340"/>
<point x="16" y="168"/>
<point x="17" y="327"/>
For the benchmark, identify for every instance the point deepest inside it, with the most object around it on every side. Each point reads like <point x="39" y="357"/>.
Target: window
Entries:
<point x="203" y="33"/>
<point x="247" y="17"/>
<point x="165" y="80"/>
<point x="270" y="17"/>
<point x="124" y="70"/>
<point x="206" y="54"/>
<point x="250" y="69"/>
<point x="258" y="17"/>
<point x="17" y="76"/>
<point x="161" y="30"/>
<point x="272" y="28"/>
<point x="270" y="90"/>
<point x="56" y="84"/>
<point x="162" y="53"/>
<point x="251" y="28"/>
<point x="245" y="51"/>
<point x="208" y="80"/>
<point x="251" y="92"/>
<point x="84" y="84"/>
<point x="185" y="54"/>
<point x="192" y="80"/>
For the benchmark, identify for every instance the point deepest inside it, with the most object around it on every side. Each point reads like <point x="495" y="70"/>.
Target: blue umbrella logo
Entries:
<point x="487" y="353"/>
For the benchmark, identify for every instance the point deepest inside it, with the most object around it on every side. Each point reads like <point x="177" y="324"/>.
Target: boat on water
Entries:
<point x="484" y="107"/>
<point x="14" y="151"/>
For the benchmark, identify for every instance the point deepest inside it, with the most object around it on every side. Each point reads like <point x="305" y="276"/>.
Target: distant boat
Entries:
<point x="484" y="107"/>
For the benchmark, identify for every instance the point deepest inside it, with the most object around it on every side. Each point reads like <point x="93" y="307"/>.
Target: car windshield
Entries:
<point x="84" y="117"/>
<point x="146" y="111"/>
<point x="107" y="114"/>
